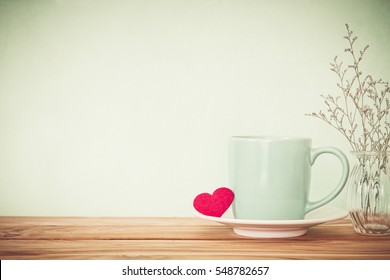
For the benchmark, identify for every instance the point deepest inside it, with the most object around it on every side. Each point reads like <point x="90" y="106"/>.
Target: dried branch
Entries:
<point x="361" y="111"/>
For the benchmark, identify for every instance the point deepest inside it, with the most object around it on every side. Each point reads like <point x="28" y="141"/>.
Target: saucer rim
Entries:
<point x="339" y="213"/>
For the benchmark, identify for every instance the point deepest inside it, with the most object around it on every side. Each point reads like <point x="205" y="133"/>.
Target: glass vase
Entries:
<point x="369" y="193"/>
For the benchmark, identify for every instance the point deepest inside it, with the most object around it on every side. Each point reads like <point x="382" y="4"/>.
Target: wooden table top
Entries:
<point x="174" y="238"/>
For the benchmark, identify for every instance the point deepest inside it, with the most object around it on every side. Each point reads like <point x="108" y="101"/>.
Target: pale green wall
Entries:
<point x="125" y="107"/>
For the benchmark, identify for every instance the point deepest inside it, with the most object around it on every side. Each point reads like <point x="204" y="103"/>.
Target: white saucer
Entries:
<point x="279" y="228"/>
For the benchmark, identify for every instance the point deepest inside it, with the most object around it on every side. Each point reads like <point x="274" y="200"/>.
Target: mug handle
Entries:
<point x="344" y="176"/>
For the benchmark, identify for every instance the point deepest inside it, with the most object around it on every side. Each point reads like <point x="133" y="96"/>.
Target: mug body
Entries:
<point x="270" y="177"/>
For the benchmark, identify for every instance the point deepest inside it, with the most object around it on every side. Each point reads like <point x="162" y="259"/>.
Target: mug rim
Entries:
<point x="269" y="138"/>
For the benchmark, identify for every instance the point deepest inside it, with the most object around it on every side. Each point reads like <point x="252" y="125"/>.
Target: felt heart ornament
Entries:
<point x="214" y="204"/>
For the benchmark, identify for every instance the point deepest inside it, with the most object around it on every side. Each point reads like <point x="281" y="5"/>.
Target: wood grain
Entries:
<point x="174" y="238"/>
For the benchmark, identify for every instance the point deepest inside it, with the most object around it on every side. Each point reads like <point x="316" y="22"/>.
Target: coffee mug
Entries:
<point x="270" y="176"/>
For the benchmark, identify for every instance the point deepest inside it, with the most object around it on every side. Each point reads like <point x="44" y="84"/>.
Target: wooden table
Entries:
<point x="174" y="238"/>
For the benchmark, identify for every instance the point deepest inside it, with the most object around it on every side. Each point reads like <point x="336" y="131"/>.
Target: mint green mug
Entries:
<point x="270" y="177"/>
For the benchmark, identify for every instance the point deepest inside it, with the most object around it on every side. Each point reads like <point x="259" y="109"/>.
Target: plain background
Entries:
<point x="124" y="108"/>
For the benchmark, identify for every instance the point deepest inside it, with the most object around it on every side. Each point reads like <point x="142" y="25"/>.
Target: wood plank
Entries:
<point x="136" y="228"/>
<point x="112" y="229"/>
<point x="198" y="249"/>
<point x="174" y="238"/>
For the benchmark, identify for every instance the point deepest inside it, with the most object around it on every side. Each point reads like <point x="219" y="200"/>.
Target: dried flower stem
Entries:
<point x="361" y="111"/>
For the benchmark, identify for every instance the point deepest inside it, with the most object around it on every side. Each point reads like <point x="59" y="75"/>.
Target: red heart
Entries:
<point x="216" y="204"/>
